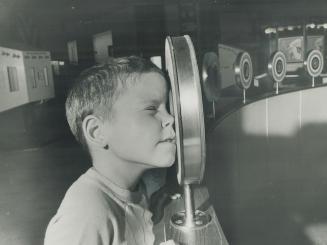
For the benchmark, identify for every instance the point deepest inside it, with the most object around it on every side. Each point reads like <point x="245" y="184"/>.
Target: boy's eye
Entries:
<point x="151" y="108"/>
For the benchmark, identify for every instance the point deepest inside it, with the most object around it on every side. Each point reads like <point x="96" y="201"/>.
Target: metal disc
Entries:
<point x="314" y="63"/>
<point x="201" y="219"/>
<point x="277" y="66"/>
<point x="186" y="101"/>
<point x="211" y="76"/>
<point x="243" y="70"/>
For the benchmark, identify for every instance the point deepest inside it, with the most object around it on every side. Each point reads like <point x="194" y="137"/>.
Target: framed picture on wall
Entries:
<point x="293" y="48"/>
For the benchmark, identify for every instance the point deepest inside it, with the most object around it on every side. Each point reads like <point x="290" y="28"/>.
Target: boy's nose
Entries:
<point x="168" y="120"/>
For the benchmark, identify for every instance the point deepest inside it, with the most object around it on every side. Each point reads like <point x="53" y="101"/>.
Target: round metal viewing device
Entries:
<point x="187" y="108"/>
<point x="243" y="70"/>
<point x="277" y="68"/>
<point x="314" y="64"/>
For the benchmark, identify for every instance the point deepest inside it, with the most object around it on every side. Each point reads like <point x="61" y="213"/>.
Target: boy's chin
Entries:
<point x="165" y="163"/>
<point x="161" y="163"/>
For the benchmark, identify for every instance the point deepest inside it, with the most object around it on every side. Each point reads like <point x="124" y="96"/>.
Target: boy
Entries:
<point x="117" y="111"/>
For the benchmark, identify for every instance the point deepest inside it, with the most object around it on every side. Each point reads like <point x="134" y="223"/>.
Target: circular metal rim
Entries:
<point x="200" y="109"/>
<point x="189" y="120"/>
<point x="241" y="81"/>
<point x="174" y="106"/>
<point x="315" y="53"/>
<point x="211" y="88"/>
<point x="272" y="64"/>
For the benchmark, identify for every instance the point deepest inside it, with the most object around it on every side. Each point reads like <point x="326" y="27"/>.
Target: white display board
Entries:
<point x="25" y="76"/>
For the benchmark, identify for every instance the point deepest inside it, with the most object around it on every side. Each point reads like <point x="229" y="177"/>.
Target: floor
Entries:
<point x="32" y="183"/>
<point x="39" y="159"/>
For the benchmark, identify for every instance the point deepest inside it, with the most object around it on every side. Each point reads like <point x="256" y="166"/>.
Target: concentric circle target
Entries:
<point x="277" y="66"/>
<point x="243" y="70"/>
<point x="186" y="102"/>
<point x="314" y="63"/>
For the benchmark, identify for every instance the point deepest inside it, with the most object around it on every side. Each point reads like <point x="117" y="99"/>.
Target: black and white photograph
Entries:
<point x="163" y="122"/>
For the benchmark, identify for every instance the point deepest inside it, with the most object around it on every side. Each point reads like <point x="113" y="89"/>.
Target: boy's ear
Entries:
<point x="93" y="130"/>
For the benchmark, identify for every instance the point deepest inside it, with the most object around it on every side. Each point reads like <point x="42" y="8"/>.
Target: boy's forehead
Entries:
<point x="152" y="86"/>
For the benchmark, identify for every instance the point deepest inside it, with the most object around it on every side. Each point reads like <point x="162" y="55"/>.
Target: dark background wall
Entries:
<point x="140" y="26"/>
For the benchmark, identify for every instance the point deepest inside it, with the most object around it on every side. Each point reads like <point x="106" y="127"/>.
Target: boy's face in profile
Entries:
<point x="141" y="130"/>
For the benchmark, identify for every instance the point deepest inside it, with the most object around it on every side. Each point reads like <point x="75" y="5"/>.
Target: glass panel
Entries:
<point x="33" y="78"/>
<point x="45" y="71"/>
<point x="13" y="79"/>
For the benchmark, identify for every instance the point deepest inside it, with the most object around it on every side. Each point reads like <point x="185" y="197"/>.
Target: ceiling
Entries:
<point x="50" y="23"/>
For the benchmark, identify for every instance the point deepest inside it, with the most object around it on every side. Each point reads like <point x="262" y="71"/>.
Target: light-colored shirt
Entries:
<point x="95" y="211"/>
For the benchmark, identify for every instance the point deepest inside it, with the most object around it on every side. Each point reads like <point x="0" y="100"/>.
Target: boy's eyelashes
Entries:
<point x="155" y="107"/>
<point x="151" y="108"/>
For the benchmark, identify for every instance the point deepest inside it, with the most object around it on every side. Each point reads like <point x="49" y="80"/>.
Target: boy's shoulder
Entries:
<point x="88" y="197"/>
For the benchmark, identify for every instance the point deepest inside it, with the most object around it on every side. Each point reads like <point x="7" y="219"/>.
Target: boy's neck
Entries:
<point x="122" y="173"/>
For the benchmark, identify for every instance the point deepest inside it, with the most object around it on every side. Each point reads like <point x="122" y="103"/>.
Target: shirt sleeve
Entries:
<point x="73" y="229"/>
